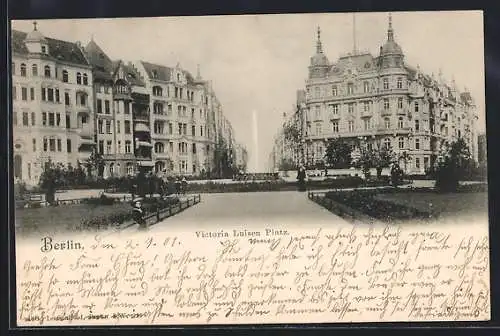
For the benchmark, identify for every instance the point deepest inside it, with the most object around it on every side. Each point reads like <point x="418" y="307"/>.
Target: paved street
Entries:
<point x="244" y="209"/>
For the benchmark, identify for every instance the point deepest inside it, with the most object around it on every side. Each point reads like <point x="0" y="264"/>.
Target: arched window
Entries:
<point x="400" y="122"/>
<point x="78" y="78"/>
<point x="47" y="71"/>
<point x="65" y="76"/>
<point x="23" y="69"/>
<point x="387" y="123"/>
<point x="34" y="70"/>
<point x="159" y="147"/>
<point x="85" y="79"/>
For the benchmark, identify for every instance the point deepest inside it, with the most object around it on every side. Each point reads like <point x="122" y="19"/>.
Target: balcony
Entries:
<point x="334" y="116"/>
<point x="366" y="114"/>
<point x="385" y="112"/>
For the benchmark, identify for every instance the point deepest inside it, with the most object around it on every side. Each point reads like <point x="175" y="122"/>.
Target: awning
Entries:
<point x="146" y="163"/>
<point x="141" y="128"/>
<point x="144" y="144"/>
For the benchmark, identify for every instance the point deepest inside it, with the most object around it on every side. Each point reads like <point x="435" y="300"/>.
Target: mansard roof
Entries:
<point x="60" y="50"/>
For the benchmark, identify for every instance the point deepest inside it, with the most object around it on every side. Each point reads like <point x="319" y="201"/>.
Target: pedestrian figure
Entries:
<point x="178" y="186"/>
<point x="184" y="185"/>
<point x="301" y="177"/>
<point x="138" y="213"/>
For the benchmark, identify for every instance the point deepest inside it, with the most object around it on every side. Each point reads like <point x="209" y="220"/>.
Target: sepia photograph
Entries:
<point x="243" y="169"/>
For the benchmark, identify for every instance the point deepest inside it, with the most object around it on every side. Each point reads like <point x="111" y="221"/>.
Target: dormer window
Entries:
<point x="155" y="74"/>
<point x="44" y="49"/>
<point x="65" y="76"/>
<point x="47" y="71"/>
<point x="78" y="78"/>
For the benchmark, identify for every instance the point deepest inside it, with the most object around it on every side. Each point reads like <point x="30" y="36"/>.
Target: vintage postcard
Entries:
<point x="254" y="169"/>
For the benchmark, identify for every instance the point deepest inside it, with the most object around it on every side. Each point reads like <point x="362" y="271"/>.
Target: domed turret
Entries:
<point x="35" y="41"/>
<point x="319" y="62"/>
<point x="391" y="53"/>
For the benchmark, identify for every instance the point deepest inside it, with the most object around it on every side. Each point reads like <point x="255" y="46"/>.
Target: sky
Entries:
<point x="258" y="62"/>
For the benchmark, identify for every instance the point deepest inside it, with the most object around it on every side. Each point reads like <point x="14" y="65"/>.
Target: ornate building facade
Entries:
<point x="69" y="101"/>
<point x="52" y="104"/>
<point x="382" y="101"/>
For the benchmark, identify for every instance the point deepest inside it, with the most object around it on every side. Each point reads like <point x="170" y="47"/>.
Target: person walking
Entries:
<point x="301" y="177"/>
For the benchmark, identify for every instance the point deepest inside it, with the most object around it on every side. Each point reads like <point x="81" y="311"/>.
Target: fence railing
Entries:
<point x="161" y="214"/>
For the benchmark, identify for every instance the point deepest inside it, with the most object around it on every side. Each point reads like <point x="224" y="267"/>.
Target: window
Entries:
<point x="34" y="70"/>
<point x="417" y="163"/>
<point x="400" y="103"/>
<point x="386" y="84"/>
<point x="68" y="121"/>
<point x="193" y="130"/>
<point x="366" y="106"/>
<point x="176" y="92"/>
<point x="158" y="108"/>
<point x="194" y="148"/>
<point x="44" y="118"/>
<point x="169" y="108"/>
<point x="52" y="145"/>
<point x="51" y="119"/>
<point x="127" y="126"/>
<point x="47" y="71"/>
<point x="34" y="144"/>
<point x="335" y="126"/>
<point x="24" y="93"/>
<point x="350" y="108"/>
<point x="416" y="106"/>
<point x="78" y="78"/>
<point x="201" y="130"/>
<point x="118" y="127"/>
<point x="158" y="127"/>
<point x="334" y="91"/>
<point x="159" y="147"/>
<point x="386" y="103"/>
<point x="65" y="76"/>
<point x="13" y="68"/>
<point x="130" y="168"/>
<point x="23" y="69"/>
<point x="100" y="126"/>
<point x="335" y="109"/>
<point x="367" y="123"/>
<point x="387" y="123"/>
<point x="184" y="128"/>
<point x="417" y="143"/>
<point x="126" y="107"/>
<point x="33" y="121"/>
<point x="400" y="122"/>
<point x="417" y="125"/>
<point x="401" y="143"/>
<point x="44" y="50"/>
<point x="387" y="143"/>
<point x="350" y="88"/>
<point x="366" y="87"/>
<point x="99" y="106"/>
<point x="66" y="99"/>
<point x="50" y="94"/>
<point x="119" y="147"/>
<point x="106" y="107"/>
<point x="317" y="111"/>
<point x="157" y="91"/>
<point x="68" y="145"/>
<point x="400" y="83"/>
<point x="57" y="95"/>
<point x="32" y="93"/>
<point x="180" y="93"/>
<point x="319" y="129"/>
<point x="350" y="125"/>
<point x="25" y="119"/>
<point x="109" y="144"/>
<point x="171" y="147"/>
<point x="316" y="92"/>
<point x="108" y="126"/>
<point x="45" y="144"/>
<point x="85" y="79"/>
<point x="101" y="146"/>
<point x="44" y="94"/>
<point x="426" y="162"/>
<point x="58" y="119"/>
<point x="14" y="93"/>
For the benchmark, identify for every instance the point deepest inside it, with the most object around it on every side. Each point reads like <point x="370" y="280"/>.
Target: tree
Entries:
<point x="365" y="160"/>
<point x="383" y="157"/>
<point x="405" y="158"/>
<point x="338" y="154"/>
<point x="455" y="164"/>
<point x="51" y="178"/>
<point x="95" y="163"/>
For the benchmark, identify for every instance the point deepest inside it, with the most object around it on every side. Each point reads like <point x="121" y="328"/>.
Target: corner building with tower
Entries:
<point x="382" y="101"/>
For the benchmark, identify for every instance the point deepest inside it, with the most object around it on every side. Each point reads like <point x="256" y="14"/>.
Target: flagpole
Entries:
<point x="354" y="33"/>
